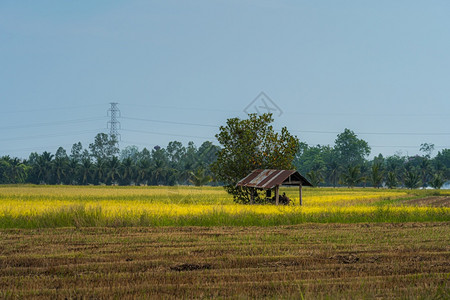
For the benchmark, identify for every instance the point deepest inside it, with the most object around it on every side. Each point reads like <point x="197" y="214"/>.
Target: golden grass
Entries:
<point x="310" y="261"/>
<point x="159" y="205"/>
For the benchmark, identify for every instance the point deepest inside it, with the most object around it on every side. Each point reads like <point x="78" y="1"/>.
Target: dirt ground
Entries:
<point x="436" y="201"/>
<point x="307" y="261"/>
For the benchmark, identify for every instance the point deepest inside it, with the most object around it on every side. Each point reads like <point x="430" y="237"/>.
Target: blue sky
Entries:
<point x="179" y="69"/>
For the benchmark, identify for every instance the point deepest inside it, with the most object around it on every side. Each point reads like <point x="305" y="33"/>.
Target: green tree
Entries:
<point x="251" y="144"/>
<point x="159" y="166"/>
<point x="376" y="175"/>
<point x="441" y="162"/>
<point x="144" y="171"/>
<point x="427" y="149"/>
<point x="207" y="154"/>
<point x="60" y="169"/>
<point x="352" y="176"/>
<point x="412" y="179"/>
<point x="315" y="177"/>
<point x="72" y="171"/>
<point x="391" y="180"/>
<point x="43" y="167"/>
<point x="76" y="151"/>
<point x="113" y="173"/>
<point x="437" y="181"/>
<point x="85" y="169"/>
<point x="333" y="169"/>
<point x="127" y="171"/>
<point x="199" y="177"/>
<point x="350" y="150"/>
<point x="130" y="152"/>
<point x="12" y="170"/>
<point x="425" y="169"/>
<point x="100" y="170"/>
<point x="104" y="147"/>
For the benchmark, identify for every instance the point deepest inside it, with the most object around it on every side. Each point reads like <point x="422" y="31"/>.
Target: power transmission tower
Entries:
<point x="114" y="124"/>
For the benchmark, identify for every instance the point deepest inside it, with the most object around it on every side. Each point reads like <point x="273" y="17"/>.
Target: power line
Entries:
<point x="374" y="133"/>
<point x="170" y="122"/>
<point x="167" y="134"/>
<point x="50" y="135"/>
<point x="302" y="113"/>
<point x="440" y="147"/>
<point x="50" y="108"/>
<point x="65" y="146"/>
<point x="300" y="131"/>
<point x="183" y="108"/>
<point x="76" y="121"/>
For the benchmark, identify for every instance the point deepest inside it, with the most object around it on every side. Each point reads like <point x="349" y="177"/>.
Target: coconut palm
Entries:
<point x="352" y="176"/>
<point x="376" y="175"/>
<point x="315" y="177"/>
<point x="127" y="170"/>
<point x="199" y="178"/>
<point x="100" y="170"/>
<point x="391" y="180"/>
<point x="44" y="167"/>
<point x="333" y="172"/>
<point x="113" y="173"/>
<point x="438" y="181"/>
<point x="144" y="171"/>
<point x="60" y="169"/>
<point x="85" y="170"/>
<point x="412" y="179"/>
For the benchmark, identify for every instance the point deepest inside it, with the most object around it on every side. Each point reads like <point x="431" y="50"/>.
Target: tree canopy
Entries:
<point x="251" y="144"/>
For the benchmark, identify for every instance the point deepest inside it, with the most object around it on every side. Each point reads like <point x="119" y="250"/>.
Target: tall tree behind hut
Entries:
<point x="251" y="144"/>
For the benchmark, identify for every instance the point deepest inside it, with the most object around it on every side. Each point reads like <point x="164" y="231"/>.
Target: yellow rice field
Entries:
<point x="163" y="205"/>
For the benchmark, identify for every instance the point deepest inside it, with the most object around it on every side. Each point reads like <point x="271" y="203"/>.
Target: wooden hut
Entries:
<point x="272" y="179"/>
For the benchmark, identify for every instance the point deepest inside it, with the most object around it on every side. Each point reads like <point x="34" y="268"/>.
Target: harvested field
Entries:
<point x="437" y="201"/>
<point x="369" y="260"/>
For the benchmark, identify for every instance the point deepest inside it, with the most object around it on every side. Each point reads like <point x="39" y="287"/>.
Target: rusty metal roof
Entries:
<point x="269" y="178"/>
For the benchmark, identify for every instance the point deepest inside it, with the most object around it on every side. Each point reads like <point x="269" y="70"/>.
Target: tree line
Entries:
<point x="245" y="145"/>
<point x="346" y="164"/>
<point x="103" y="163"/>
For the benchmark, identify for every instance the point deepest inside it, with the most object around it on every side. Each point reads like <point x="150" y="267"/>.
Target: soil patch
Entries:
<point x="190" y="267"/>
<point x="436" y="201"/>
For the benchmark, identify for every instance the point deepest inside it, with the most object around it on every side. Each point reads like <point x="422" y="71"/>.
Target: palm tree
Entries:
<point x="59" y="169"/>
<point x="199" y="178"/>
<point x="144" y="171"/>
<point x="315" y="177"/>
<point x="392" y="180"/>
<point x="352" y="176"/>
<point x="333" y="172"/>
<point x="17" y="171"/>
<point x="100" y="170"/>
<point x="412" y="179"/>
<point x="159" y="171"/>
<point x="85" y="170"/>
<point x="113" y="169"/>
<point x="424" y="170"/>
<point x="44" y="167"/>
<point x="438" y="181"/>
<point x="72" y="169"/>
<point x="128" y="170"/>
<point x="376" y="175"/>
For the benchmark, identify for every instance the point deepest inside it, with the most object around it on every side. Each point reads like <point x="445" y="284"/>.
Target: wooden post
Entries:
<point x="300" y="193"/>
<point x="277" y="195"/>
